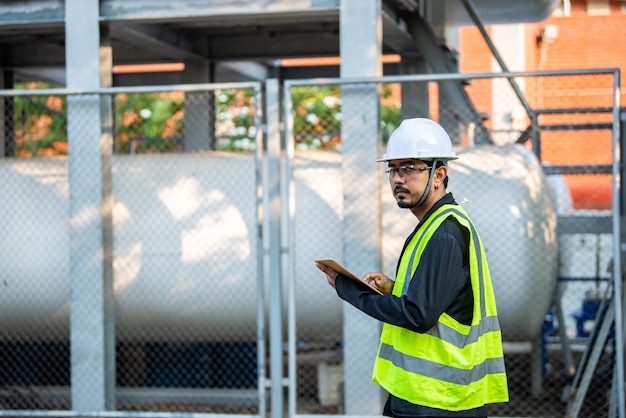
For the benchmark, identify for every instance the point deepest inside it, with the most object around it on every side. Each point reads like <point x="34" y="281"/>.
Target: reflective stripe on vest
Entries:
<point x="452" y="366"/>
<point x="431" y="369"/>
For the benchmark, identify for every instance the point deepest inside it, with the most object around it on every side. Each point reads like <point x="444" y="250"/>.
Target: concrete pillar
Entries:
<point x="450" y="35"/>
<point x="414" y="94"/>
<point x="360" y="47"/>
<point x="199" y="123"/>
<point x="92" y="336"/>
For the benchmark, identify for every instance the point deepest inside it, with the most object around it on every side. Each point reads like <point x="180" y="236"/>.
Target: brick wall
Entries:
<point x="593" y="35"/>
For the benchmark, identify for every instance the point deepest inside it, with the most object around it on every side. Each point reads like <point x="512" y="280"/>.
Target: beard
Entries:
<point x="406" y="203"/>
<point x="410" y="200"/>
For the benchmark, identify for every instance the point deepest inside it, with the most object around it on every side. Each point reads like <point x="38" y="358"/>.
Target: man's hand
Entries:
<point x="379" y="281"/>
<point x="331" y="275"/>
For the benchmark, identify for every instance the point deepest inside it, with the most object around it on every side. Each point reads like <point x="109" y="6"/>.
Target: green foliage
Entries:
<point x="148" y="122"/>
<point x="39" y="123"/>
<point x="154" y="122"/>
<point x="317" y="117"/>
<point x="235" y="120"/>
<point x="390" y="115"/>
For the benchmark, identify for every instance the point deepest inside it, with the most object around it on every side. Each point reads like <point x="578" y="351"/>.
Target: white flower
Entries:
<point x="312" y="118"/>
<point x="330" y="101"/>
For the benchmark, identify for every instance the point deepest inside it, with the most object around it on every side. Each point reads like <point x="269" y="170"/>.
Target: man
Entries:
<point x="440" y="352"/>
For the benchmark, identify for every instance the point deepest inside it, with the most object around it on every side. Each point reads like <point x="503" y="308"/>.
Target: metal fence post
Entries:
<point x="362" y="210"/>
<point x="92" y="329"/>
<point x="271" y="197"/>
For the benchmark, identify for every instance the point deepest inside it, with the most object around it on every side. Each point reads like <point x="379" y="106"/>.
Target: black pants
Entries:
<point x="396" y="407"/>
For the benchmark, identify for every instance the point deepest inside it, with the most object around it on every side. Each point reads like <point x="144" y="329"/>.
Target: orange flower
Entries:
<point x="60" y="146"/>
<point x="46" y="152"/>
<point x="24" y="154"/>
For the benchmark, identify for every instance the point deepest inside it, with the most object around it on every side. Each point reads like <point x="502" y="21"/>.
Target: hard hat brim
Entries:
<point x="446" y="158"/>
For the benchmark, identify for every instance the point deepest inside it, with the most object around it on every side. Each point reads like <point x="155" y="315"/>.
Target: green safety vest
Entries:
<point x="452" y="366"/>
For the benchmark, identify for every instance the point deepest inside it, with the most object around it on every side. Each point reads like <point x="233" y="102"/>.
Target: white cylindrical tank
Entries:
<point x="511" y="204"/>
<point x="186" y="245"/>
<point x="505" y="193"/>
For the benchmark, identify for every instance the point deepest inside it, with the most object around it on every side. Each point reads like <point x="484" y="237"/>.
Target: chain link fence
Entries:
<point x="188" y="269"/>
<point x="185" y="248"/>
<point x="535" y="175"/>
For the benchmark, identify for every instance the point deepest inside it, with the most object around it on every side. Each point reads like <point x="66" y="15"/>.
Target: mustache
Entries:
<point x="399" y="188"/>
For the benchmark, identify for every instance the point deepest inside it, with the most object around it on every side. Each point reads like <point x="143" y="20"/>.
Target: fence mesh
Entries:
<point x="185" y="256"/>
<point x="186" y="242"/>
<point x="534" y="174"/>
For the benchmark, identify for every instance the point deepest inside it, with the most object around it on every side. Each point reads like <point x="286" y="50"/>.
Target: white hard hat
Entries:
<point x="420" y="139"/>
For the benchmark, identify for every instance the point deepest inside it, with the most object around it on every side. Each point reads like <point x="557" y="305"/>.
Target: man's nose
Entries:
<point x="397" y="179"/>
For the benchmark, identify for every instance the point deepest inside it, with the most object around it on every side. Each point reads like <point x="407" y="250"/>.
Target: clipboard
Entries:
<point x="330" y="263"/>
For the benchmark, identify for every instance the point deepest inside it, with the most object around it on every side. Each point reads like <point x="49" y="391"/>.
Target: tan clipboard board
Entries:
<point x="330" y="263"/>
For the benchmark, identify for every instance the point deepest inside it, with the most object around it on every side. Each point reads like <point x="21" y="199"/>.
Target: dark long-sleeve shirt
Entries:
<point x="441" y="283"/>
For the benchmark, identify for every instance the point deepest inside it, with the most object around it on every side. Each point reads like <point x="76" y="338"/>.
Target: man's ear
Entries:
<point x="441" y="172"/>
